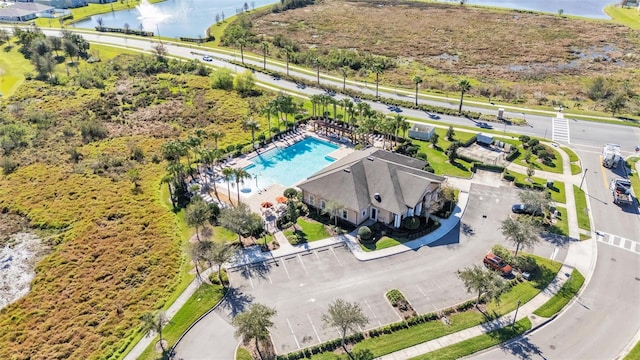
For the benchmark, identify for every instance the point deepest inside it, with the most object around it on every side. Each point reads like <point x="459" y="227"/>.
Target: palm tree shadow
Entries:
<point x="235" y="301"/>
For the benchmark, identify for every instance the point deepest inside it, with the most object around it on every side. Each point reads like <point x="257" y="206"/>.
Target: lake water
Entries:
<point x="173" y="18"/>
<point x="191" y="18"/>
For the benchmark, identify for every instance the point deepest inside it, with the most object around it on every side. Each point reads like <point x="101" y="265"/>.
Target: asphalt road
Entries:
<point x="301" y="286"/>
<point x="601" y="322"/>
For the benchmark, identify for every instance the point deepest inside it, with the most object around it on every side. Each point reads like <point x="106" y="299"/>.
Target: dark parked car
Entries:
<point x="496" y="263"/>
<point x="484" y="125"/>
<point x="524" y="209"/>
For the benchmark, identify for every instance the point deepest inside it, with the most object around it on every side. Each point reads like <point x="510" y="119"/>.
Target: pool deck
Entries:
<point x="255" y="199"/>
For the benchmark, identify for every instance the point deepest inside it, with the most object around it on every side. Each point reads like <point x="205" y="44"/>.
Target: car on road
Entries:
<point x="524" y="209"/>
<point x="496" y="263"/>
<point x="207" y="58"/>
<point x="484" y="125"/>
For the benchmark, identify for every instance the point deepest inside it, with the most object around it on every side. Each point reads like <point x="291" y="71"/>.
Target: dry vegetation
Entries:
<point x="516" y="55"/>
<point x="120" y="250"/>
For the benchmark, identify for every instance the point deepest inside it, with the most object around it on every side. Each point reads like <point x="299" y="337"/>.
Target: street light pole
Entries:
<point x="583" y="176"/>
<point x="515" y="315"/>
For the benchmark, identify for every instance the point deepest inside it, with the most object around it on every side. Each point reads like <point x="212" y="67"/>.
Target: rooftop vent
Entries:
<point x="377" y="197"/>
<point x="347" y="170"/>
<point x="370" y="158"/>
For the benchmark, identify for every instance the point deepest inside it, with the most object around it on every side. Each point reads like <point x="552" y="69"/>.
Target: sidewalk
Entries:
<point x="580" y="256"/>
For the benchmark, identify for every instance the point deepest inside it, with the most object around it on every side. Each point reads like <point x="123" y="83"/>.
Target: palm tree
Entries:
<point x="252" y="125"/>
<point x="288" y="50"/>
<point x="241" y="42"/>
<point x="377" y="69"/>
<point x="227" y="175"/>
<point x="520" y="233"/>
<point x="240" y="175"/>
<point x="417" y="80"/>
<point x="198" y="251"/>
<point x="216" y="135"/>
<point x="265" y="50"/>
<point x="268" y="109"/>
<point x="464" y="86"/>
<point x="332" y="208"/>
<point x="254" y="324"/>
<point x="345" y="71"/>
<point x="398" y="123"/>
<point x="315" y="101"/>
<point x="197" y="214"/>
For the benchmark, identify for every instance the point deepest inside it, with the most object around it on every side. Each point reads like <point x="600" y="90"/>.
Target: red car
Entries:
<point x="496" y="263"/>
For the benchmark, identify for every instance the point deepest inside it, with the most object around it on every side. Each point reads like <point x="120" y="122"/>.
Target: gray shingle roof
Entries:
<point x="354" y="180"/>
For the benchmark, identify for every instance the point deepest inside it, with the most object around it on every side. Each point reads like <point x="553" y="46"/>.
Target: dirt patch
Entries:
<point x="490" y="46"/>
<point x="18" y="258"/>
<point x="266" y="349"/>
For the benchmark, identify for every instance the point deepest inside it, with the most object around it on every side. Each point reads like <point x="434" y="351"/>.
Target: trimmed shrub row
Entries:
<point x="321" y="348"/>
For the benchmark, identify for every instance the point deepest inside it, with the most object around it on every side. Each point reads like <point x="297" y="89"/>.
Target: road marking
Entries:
<point x="560" y="130"/>
<point x="436" y="284"/>
<point x="314" y="328"/>
<point x="334" y="254"/>
<point x="604" y="175"/>
<point x="374" y="314"/>
<point x="618" y="241"/>
<point x="422" y="291"/>
<point x="293" y="334"/>
<point x="302" y="263"/>
<point x="554" y="253"/>
<point x="287" y="271"/>
<point x="249" y="276"/>
<point x="317" y="256"/>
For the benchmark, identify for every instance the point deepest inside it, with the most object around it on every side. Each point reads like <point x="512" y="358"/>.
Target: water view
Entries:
<point x="173" y="18"/>
<point x="191" y="18"/>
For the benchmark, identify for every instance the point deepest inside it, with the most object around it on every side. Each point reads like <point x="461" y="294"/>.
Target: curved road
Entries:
<point x="601" y="322"/>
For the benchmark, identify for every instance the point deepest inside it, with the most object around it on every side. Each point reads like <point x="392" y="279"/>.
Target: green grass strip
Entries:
<point x="581" y="208"/>
<point x="206" y="297"/>
<point x="633" y="174"/>
<point x="473" y="345"/>
<point x="573" y="157"/>
<point x="634" y="354"/>
<point x="568" y="290"/>
<point x="243" y="354"/>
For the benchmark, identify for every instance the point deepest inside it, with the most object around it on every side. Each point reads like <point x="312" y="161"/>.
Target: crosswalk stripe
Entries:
<point x="618" y="241"/>
<point x="560" y="130"/>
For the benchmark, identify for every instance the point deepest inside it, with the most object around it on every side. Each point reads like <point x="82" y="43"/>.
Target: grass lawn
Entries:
<point x="243" y="354"/>
<point x="562" y="224"/>
<point x="13" y="66"/>
<point x="634" y="354"/>
<point x="581" y="209"/>
<point x="437" y="158"/>
<point x="555" y="167"/>
<point x="310" y="230"/>
<point x="568" y="290"/>
<point x="625" y="16"/>
<point x="206" y="297"/>
<point x="385" y="242"/>
<point x="473" y="345"/>
<point x="575" y="169"/>
<point x="525" y="291"/>
<point x="573" y="157"/>
<point x="557" y="192"/>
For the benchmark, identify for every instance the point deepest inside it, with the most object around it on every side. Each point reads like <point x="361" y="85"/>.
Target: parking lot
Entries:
<point x="301" y="286"/>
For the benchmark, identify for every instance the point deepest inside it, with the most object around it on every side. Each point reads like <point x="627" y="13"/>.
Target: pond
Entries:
<point x="173" y="18"/>
<point x="191" y="18"/>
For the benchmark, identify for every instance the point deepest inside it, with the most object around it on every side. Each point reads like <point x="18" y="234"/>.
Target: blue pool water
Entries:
<point x="288" y="166"/>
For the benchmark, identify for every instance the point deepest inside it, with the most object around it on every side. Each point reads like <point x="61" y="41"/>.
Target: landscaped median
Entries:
<point x="582" y="209"/>
<point x="426" y="327"/>
<point x="568" y="290"/>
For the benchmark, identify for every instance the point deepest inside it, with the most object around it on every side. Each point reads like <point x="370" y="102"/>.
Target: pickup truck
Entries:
<point x="621" y="191"/>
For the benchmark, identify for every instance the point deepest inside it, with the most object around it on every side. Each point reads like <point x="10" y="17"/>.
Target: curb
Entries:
<point x="198" y="320"/>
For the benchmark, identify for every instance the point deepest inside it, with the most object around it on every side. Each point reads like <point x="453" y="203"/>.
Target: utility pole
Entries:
<point x="515" y="315"/>
<point x="583" y="176"/>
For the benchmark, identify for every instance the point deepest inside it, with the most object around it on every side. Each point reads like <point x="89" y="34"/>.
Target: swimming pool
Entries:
<point x="290" y="165"/>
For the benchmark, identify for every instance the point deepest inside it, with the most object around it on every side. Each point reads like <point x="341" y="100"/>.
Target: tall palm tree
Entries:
<point x="398" y="121"/>
<point x="377" y="68"/>
<point x="241" y="42"/>
<point x="464" y="86"/>
<point x="227" y="175"/>
<point x="315" y="101"/>
<point x="216" y="135"/>
<point x="155" y="322"/>
<point x="344" y="71"/>
<point x="268" y="109"/>
<point x="265" y="50"/>
<point x="288" y="50"/>
<point x="240" y="175"/>
<point x="417" y="80"/>
<point x="250" y="124"/>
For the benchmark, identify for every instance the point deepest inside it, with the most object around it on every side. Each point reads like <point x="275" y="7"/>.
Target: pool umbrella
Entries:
<point x="266" y="204"/>
<point x="281" y="199"/>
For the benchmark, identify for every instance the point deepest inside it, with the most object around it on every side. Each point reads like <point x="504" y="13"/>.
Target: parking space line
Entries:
<point x="314" y="328"/>
<point x="436" y="284"/>
<point x="317" y="256"/>
<point x="374" y="314"/>
<point x="554" y="253"/>
<point x="334" y="254"/>
<point x="293" y="334"/>
<point x="249" y="276"/>
<point x="287" y="271"/>
<point x="422" y="292"/>
<point x="303" y="267"/>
